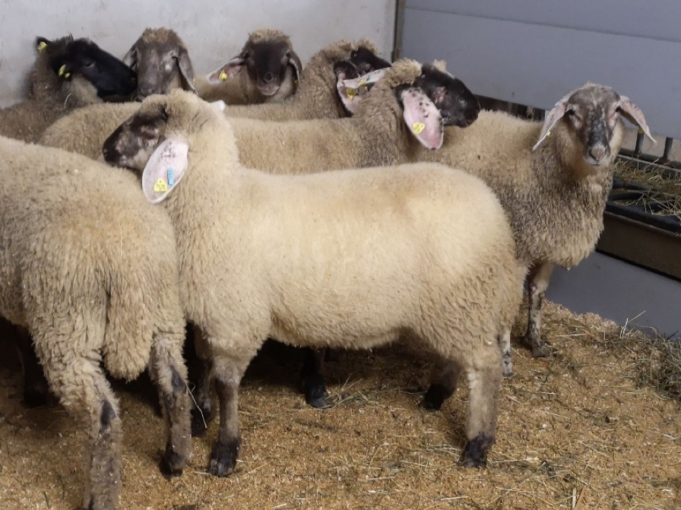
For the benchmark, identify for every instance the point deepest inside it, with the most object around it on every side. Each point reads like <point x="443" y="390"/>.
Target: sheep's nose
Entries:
<point x="598" y="152"/>
<point x="268" y="77"/>
<point x="144" y="90"/>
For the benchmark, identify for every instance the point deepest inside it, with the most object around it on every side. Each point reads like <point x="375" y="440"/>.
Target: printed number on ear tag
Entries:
<point x="417" y="127"/>
<point x="160" y="186"/>
<point x="223" y="76"/>
<point x="351" y="93"/>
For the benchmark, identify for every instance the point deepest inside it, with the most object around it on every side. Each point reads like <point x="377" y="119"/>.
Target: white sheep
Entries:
<point x="552" y="179"/>
<point x="68" y="73"/>
<point x="346" y="259"/>
<point x="266" y="70"/>
<point x="89" y="268"/>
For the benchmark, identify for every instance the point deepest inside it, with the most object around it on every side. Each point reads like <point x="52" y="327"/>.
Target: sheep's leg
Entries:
<point x="170" y="374"/>
<point x="442" y="386"/>
<point x="313" y="378"/>
<point x="205" y="410"/>
<point x="227" y="373"/>
<point x="505" y="347"/>
<point x="538" y="283"/>
<point x="35" y="384"/>
<point x="484" y="385"/>
<point x="83" y="390"/>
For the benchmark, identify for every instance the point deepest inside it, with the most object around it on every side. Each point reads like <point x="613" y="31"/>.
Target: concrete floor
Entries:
<point x="620" y="291"/>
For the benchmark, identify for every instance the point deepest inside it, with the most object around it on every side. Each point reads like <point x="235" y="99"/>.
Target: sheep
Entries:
<point x="554" y="189"/>
<point x="375" y="135"/>
<point x="161" y="61"/>
<point x="267" y="70"/>
<point x="89" y="268"/>
<point x="329" y="259"/>
<point x="316" y="97"/>
<point x="68" y="74"/>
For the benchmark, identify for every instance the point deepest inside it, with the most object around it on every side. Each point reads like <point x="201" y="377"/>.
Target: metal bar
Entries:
<point x="667" y="148"/>
<point x="639" y="141"/>
<point x="400" y="7"/>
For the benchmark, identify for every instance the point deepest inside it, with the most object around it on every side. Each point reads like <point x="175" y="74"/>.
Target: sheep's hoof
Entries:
<point x="200" y="421"/>
<point x="172" y="464"/>
<point x="315" y="392"/>
<point x="435" y="397"/>
<point x="475" y="453"/>
<point x="507" y="367"/>
<point x="223" y="458"/>
<point x="541" y="349"/>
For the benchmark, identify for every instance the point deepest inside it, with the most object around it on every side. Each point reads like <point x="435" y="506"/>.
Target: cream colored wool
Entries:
<point x="51" y="98"/>
<point x="90" y="269"/>
<point x="347" y="259"/>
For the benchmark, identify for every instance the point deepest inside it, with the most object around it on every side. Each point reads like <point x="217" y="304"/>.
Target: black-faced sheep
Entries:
<point x="345" y="259"/>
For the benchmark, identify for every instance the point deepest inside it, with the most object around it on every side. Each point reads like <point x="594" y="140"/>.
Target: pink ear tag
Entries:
<point x="165" y="169"/>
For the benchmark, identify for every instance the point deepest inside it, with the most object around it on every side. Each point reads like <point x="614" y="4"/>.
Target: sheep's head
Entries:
<point x="266" y="56"/>
<point x="365" y="60"/>
<point x="70" y="57"/>
<point x="161" y="61"/>
<point x="591" y="117"/>
<point x="428" y="97"/>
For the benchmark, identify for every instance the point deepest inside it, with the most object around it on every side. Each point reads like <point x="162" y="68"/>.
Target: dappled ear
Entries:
<point x="130" y="58"/>
<point x="186" y="70"/>
<point x="351" y="91"/>
<point x="294" y="62"/>
<point x="552" y="118"/>
<point x="634" y="115"/>
<point x="41" y="43"/>
<point x="423" y="118"/>
<point x="165" y="169"/>
<point x="229" y="70"/>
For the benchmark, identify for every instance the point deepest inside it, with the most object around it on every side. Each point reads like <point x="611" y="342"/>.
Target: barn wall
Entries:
<point x="213" y="31"/>
<point x="532" y="52"/>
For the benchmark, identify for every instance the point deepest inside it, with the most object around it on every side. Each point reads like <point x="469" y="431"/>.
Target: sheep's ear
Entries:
<point x="440" y="65"/>
<point x="186" y="70"/>
<point x="294" y="62"/>
<point x="634" y="115"/>
<point x="41" y="43"/>
<point x="423" y="118"/>
<point x="552" y="118"/>
<point x="229" y="70"/>
<point x="130" y="58"/>
<point x="351" y="91"/>
<point x="165" y="169"/>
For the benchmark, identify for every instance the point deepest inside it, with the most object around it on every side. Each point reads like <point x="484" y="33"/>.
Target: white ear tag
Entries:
<point x="165" y="169"/>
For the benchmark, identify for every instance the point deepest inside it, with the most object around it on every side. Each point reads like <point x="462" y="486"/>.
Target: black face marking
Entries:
<point x="140" y="133"/>
<point x="456" y="103"/>
<point x="110" y="76"/>
<point x="366" y="60"/>
<point x="345" y="70"/>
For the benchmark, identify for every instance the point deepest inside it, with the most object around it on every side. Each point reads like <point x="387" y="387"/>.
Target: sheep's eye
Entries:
<point x="89" y="64"/>
<point x="245" y="55"/>
<point x="353" y="54"/>
<point x="570" y="113"/>
<point x="288" y="53"/>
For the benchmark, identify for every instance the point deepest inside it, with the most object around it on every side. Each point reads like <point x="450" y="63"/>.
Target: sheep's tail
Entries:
<point x="143" y="304"/>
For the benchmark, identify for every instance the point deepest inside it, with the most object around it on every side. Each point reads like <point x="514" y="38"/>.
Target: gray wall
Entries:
<point x="534" y="51"/>
<point x="214" y="31"/>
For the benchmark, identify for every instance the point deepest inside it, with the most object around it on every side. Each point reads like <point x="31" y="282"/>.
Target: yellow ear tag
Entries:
<point x="42" y="46"/>
<point x="417" y="127"/>
<point x="160" y="186"/>
<point x="362" y="82"/>
<point x="223" y="76"/>
<point x="351" y="93"/>
<point x="67" y="75"/>
<point x="548" y="133"/>
<point x="62" y="69"/>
